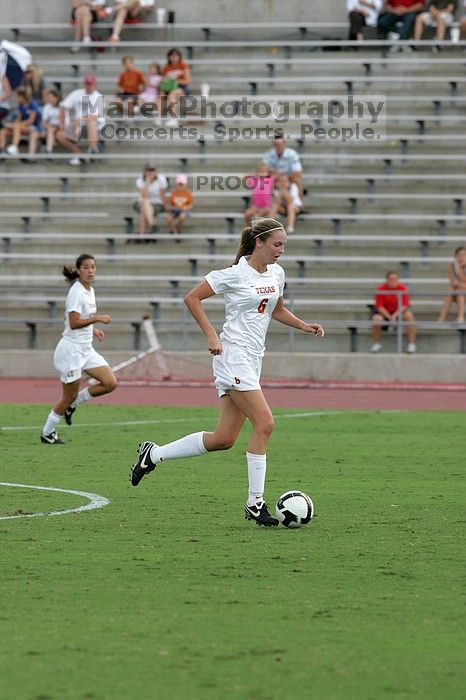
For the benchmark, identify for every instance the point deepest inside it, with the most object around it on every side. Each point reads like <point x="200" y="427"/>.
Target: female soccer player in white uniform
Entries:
<point x="75" y="353"/>
<point x="253" y="293"/>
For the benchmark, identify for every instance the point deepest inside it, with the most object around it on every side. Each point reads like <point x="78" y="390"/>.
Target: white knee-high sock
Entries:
<point x="51" y="423"/>
<point x="83" y="396"/>
<point x="188" y="446"/>
<point x="257" y="466"/>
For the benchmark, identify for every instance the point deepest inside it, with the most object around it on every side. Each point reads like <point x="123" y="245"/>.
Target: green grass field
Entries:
<point x="169" y="593"/>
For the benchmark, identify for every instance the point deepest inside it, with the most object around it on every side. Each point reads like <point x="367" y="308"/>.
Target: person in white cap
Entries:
<point x="180" y="203"/>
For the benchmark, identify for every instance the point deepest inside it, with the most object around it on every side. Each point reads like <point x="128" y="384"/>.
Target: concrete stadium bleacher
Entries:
<point x="370" y="206"/>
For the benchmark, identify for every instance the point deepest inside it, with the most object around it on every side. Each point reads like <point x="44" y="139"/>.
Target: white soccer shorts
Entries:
<point x="71" y="359"/>
<point x="430" y="21"/>
<point x="236" y="369"/>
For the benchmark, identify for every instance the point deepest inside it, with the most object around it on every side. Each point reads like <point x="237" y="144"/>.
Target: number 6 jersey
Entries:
<point x="250" y="298"/>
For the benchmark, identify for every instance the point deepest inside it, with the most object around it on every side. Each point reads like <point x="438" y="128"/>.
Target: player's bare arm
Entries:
<point x="283" y="315"/>
<point x="193" y="301"/>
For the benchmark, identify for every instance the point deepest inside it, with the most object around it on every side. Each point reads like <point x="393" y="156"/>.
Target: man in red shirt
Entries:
<point x="395" y="11"/>
<point x="392" y="301"/>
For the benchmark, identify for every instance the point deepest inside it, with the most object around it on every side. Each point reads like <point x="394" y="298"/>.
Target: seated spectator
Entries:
<point x="151" y="94"/>
<point x="176" y="80"/>
<point x="49" y="124"/>
<point x="463" y="24"/>
<point x="286" y="201"/>
<point x="129" y="10"/>
<point x="362" y="13"/>
<point x="84" y="13"/>
<point x="28" y="120"/>
<point x="388" y="308"/>
<point x="34" y="79"/>
<point x="261" y="184"/>
<point x="394" y="11"/>
<point x="151" y="188"/>
<point x="14" y="59"/>
<point x="440" y="14"/>
<point x="281" y="159"/>
<point x="73" y="117"/>
<point x="457" y="277"/>
<point x="180" y="203"/>
<point x="130" y="82"/>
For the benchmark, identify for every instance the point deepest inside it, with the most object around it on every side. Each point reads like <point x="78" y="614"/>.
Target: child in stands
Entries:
<point x="180" y="204"/>
<point x="49" y="123"/>
<point x="286" y="201"/>
<point x="130" y="82"/>
<point x="261" y="184"/>
<point x="28" y="120"/>
<point x="151" y="94"/>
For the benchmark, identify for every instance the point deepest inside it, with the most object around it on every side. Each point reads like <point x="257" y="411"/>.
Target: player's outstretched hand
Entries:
<point x="104" y="318"/>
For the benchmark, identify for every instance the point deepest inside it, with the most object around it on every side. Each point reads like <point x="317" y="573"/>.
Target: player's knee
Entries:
<point x="266" y="426"/>
<point x="111" y="385"/>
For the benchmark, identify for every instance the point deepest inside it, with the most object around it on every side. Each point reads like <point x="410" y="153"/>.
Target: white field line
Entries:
<point x="159" y="421"/>
<point x="95" y="501"/>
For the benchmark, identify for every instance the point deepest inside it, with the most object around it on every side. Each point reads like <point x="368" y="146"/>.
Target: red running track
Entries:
<point x="317" y="395"/>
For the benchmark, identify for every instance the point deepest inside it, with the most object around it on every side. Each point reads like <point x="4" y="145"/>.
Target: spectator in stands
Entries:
<point x="14" y="59"/>
<point x="129" y="10"/>
<point x="49" y="124"/>
<point x="34" y="79"/>
<point x="84" y="13"/>
<point x="391" y="302"/>
<point x="131" y="81"/>
<point x="457" y="277"/>
<point x="74" y="116"/>
<point x="151" y="201"/>
<point x="261" y="185"/>
<point x="439" y="14"/>
<point x="176" y="81"/>
<point x="286" y="201"/>
<point x="281" y="159"/>
<point x="394" y="11"/>
<point x="180" y="203"/>
<point x="151" y="94"/>
<point x="29" y="116"/>
<point x="362" y="13"/>
<point x="463" y="23"/>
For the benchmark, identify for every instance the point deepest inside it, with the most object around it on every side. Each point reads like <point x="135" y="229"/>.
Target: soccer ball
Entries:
<point x="294" y="509"/>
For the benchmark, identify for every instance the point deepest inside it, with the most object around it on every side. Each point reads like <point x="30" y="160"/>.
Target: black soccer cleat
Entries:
<point x="69" y="415"/>
<point x="52" y="439"/>
<point x="260" y="513"/>
<point x="144" y="465"/>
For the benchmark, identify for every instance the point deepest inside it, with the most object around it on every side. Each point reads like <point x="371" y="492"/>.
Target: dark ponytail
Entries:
<point x="71" y="273"/>
<point x="260" y="228"/>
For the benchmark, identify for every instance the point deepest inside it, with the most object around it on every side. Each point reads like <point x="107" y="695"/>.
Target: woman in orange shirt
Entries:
<point x="176" y="80"/>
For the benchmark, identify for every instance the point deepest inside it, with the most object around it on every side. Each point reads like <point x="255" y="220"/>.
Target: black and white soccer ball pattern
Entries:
<point x="294" y="509"/>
